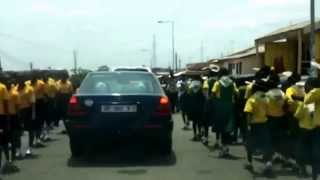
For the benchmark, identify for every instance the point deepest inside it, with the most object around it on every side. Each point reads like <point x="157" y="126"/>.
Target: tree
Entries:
<point x="76" y="79"/>
<point x="103" y="68"/>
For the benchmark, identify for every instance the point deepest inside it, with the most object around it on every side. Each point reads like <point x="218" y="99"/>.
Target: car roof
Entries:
<point x="120" y="72"/>
<point x="137" y="68"/>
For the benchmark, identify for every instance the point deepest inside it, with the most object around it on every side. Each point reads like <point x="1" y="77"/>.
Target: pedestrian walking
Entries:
<point x="224" y="92"/>
<point x="258" y="132"/>
<point x="14" y="122"/>
<point x="182" y="101"/>
<point x="208" y="107"/>
<point x="4" y="121"/>
<point x="41" y="109"/>
<point x="51" y="93"/>
<point x="312" y="101"/>
<point x="195" y="105"/>
<point x="277" y="121"/>
<point x="65" y="90"/>
<point x="172" y="91"/>
<point x="27" y="111"/>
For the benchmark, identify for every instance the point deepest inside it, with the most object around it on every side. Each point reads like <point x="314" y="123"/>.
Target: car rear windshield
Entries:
<point x="120" y="83"/>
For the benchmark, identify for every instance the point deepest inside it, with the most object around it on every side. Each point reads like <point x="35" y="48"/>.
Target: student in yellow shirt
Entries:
<point x="278" y="124"/>
<point x="4" y="128"/>
<point x="305" y="127"/>
<point x="27" y="105"/>
<point x="312" y="101"/>
<point x="65" y="91"/>
<point x="15" y="123"/>
<point x="41" y="108"/>
<point x="208" y="107"/>
<point x="224" y="91"/>
<point x="258" y="133"/>
<point x="51" y="93"/>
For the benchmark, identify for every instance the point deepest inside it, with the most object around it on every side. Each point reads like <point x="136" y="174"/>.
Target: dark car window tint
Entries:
<point x="120" y="83"/>
<point x="135" y="69"/>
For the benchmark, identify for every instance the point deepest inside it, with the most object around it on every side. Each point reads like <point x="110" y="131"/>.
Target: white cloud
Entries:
<point x="51" y="9"/>
<point x="44" y="7"/>
<point x="277" y="3"/>
<point x="229" y="23"/>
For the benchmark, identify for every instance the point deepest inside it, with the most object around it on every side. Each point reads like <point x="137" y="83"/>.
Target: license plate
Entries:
<point x="118" y="108"/>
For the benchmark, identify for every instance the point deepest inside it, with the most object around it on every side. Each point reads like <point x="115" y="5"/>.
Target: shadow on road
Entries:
<point x="120" y="159"/>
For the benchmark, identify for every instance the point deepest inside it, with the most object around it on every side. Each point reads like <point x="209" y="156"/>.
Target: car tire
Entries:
<point x="166" y="147"/>
<point x="76" y="149"/>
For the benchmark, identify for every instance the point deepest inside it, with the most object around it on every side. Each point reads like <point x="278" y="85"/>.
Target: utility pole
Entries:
<point x="176" y="61"/>
<point x="173" y="44"/>
<point x="202" y="52"/>
<point x="313" y="71"/>
<point x="179" y="63"/>
<point x="31" y="66"/>
<point x="1" y="65"/>
<point x="75" y="61"/>
<point x="154" y="51"/>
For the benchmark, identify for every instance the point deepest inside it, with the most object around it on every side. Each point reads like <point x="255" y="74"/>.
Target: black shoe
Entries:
<point x="195" y="138"/>
<point x="216" y="146"/>
<point x="63" y="132"/>
<point x="248" y="167"/>
<point x="302" y="172"/>
<point x="205" y="142"/>
<point x="267" y="171"/>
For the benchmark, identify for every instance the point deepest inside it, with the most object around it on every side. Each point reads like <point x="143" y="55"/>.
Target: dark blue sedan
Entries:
<point x="116" y="106"/>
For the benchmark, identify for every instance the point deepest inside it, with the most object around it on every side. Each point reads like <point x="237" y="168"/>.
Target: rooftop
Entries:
<point x="285" y="31"/>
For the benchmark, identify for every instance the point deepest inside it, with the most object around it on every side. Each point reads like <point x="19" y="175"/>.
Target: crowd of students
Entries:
<point x="34" y="105"/>
<point x="279" y="120"/>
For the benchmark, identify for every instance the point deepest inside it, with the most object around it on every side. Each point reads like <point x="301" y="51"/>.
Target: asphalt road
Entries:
<point x="190" y="161"/>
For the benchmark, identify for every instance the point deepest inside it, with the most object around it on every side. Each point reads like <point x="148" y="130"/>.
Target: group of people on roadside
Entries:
<point x="278" y="120"/>
<point x="34" y="105"/>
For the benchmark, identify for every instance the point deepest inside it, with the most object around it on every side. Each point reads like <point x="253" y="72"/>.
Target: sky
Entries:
<point x="119" y="32"/>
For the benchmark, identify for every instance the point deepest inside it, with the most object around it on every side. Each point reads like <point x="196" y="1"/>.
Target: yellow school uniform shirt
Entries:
<point x="303" y="116"/>
<point x="27" y="96"/>
<point x="293" y="91"/>
<point x="313" y="97"/>
<point x="257" y="106"/>
<point x="248" y="92"/>
<point x="40" y="89"/>
<point x="4" y="96"/>
<point x="65" y="88"/>
<point x="290" y="91"/>
<point x="51" y="88"/>
<point x="14" y="101"/>
<point x="205" y="85"/>
<point x="275" y="103"/>
<point x="217" y="86"/>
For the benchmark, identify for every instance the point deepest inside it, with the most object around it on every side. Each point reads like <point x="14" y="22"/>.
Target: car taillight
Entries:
<point x="75" y="108"/>
<point x="163" y="108"/>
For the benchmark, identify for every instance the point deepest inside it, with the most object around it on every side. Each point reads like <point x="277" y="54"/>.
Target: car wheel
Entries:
<point x="76" y="149"/>
<point x="166" y="146"/>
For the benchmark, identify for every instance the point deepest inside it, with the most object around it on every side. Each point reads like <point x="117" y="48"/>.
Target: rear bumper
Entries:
<point x="84" y="133"/>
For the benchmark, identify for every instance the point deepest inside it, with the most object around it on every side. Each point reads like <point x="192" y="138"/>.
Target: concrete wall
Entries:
<point x="248" y="63"/>
<point x="284" y="50"/>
